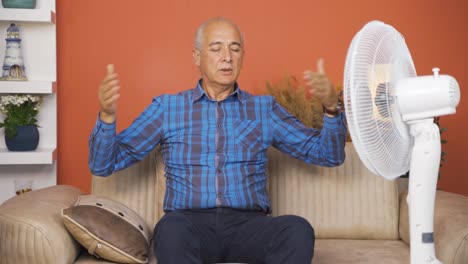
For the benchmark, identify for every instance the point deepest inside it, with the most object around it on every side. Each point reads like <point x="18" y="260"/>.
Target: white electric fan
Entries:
<point x="390" y="113"/>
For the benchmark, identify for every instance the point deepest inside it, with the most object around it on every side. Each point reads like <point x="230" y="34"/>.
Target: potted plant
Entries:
<point x="294" y="98"/>
<point x="20" y="123"/>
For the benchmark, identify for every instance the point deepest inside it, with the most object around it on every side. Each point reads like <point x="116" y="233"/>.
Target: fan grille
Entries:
<point x="454" y="92"/>
<point x="377" y="58"/>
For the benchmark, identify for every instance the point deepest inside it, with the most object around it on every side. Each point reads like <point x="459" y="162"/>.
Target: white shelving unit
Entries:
<point x="39" y="50"/>
<point x="28" y="15"/>
<point x="31" y="87"/>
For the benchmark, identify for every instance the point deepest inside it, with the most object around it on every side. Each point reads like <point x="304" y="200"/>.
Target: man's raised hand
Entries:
<point x="320" y="86"/>
<point x="108" y="95"/>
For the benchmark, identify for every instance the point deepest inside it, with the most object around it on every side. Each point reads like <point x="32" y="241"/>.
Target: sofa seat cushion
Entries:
<point x="86" y="258"/>
<point x="332" y="251"/>
<point x="347" y="251"/>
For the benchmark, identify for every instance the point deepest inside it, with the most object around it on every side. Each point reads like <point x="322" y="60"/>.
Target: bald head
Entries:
<point x="201" y="29"/>
<point x="218" y="54"/>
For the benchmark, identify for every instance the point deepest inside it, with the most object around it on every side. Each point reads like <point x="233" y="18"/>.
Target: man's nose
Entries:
<point x="227" y="56"/>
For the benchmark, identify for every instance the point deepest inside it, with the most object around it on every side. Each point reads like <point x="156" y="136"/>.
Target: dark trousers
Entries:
<point x="229" y="235"/>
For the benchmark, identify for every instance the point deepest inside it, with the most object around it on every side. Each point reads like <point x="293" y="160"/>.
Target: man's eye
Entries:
<point x="215" y="49"/>
<point x="236" y="49"/>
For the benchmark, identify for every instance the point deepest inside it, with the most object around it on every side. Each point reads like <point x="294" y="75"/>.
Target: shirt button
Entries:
<point x="219" y="125"/>
<point x="219" y="170"/>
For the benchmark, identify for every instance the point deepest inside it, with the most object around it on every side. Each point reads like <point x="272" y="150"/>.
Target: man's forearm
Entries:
<point x="101" y="148"/>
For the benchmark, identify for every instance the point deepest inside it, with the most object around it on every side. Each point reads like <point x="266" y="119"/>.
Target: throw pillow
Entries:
<point x="108" y="229"/>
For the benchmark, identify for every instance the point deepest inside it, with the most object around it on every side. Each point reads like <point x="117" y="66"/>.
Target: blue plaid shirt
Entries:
<point x="215" y="152"/>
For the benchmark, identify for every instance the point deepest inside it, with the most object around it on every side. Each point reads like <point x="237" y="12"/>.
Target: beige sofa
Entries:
<point x="358" y="217"/>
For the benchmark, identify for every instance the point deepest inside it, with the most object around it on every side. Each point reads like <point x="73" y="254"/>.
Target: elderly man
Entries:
<point x="214" y="139"/>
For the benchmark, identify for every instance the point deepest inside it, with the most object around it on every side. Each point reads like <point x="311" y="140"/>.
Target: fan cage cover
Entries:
<point x="377" y="58"/>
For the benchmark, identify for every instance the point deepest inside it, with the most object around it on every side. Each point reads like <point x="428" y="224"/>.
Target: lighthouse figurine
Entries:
<point x="13" y="65"/>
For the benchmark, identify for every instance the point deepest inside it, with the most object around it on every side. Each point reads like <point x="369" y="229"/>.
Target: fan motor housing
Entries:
<point x="427" y="96"/>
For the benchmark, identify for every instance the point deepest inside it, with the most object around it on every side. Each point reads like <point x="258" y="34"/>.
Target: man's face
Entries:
<point x="220" y="55"/>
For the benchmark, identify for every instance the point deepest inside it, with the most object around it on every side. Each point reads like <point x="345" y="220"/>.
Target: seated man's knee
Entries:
<point x="174" y="231"/>
<point x="175" y="240"/>
<point x="294" y="240"/>
<point x="298" y="227"/>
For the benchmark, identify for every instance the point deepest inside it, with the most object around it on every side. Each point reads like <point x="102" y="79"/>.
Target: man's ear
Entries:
<point x="196" y="57"/>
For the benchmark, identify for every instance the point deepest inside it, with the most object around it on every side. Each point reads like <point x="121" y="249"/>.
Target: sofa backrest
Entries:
<point x="347" y="201"/>
<point x="343" y="202"/>
<point x="141" y="187"/>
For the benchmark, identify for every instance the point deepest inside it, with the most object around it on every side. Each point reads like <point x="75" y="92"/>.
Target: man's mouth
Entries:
<point x="226" y="70"/>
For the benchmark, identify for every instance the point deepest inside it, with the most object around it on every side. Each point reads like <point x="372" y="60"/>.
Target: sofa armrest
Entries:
<point x="450" y="226"/>
<point x="32" y="229"/>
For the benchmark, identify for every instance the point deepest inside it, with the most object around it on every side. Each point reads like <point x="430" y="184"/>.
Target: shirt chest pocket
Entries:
<point x="248" y="135"/>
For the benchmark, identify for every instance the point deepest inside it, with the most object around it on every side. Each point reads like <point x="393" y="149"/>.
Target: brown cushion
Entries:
<point x="108" y="229"/>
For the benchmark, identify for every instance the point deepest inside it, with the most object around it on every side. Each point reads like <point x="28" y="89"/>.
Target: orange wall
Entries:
<point x="150" y="43"/>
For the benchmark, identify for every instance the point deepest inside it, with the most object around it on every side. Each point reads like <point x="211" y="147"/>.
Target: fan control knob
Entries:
<point x="436" y="72"/>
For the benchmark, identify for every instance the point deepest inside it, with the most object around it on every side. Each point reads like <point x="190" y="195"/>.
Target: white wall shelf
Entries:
<point x="31" y="87"/>
<point x="38" y="156"/>
<point x="27" y="15"/>
<point x="38" y="31"/>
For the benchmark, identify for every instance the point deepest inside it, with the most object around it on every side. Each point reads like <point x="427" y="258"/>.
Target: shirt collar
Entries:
<point x="198" y="92"/>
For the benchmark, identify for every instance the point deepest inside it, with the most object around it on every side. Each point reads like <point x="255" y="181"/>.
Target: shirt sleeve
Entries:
<point x="325" y="147"/>
<point x="109" y="152"/>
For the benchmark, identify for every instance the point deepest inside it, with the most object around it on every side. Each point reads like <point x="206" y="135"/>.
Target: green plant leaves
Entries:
<point x="21" y="111"/>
